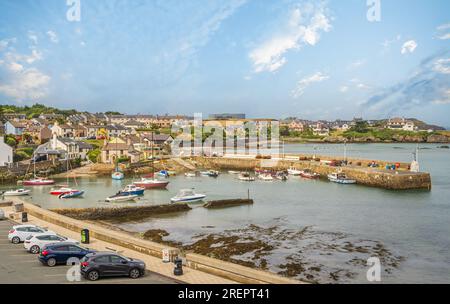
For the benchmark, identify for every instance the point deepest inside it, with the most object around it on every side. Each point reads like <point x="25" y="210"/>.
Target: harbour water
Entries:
<point x="413" y="226"/>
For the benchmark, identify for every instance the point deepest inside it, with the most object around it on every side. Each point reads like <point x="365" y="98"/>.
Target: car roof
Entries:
<point x="103" y="253"/>
<point x="63" y="244"/>
<point x="24" y="226"/>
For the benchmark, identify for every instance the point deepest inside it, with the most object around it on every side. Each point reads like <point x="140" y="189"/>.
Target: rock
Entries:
<point x="436" y="138"/>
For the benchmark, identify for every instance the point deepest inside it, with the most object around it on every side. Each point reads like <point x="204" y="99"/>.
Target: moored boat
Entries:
<point x="281" y="176"/>
<point x="187" y="196"/>
<point x="246" y="177"/>
<point x="234" y="172"/>
<point x="133" y="189"/>
<point x="62" y="190"/>
<point x="309" y="174"/>
<point x="17" y="192"/>
<point x="122" y="197"/>
<point x="265" y="177"/>
<point x="190" y="174"/>
<point x="38" y="182"/>
<point x="151" y="183"/>
<point x="72" y="194"/>
<point x="340" y="178"/>
<point x="117" y="175"/>
<point x="293" y="171"/>
<point x="213" y="173"/>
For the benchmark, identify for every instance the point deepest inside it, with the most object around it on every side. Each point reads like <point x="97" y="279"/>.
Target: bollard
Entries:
<point x="178" y="270"/>
<point x="24" y="217"/>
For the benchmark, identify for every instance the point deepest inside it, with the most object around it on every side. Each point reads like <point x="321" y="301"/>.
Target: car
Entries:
<point x="19" y="233"/>
<point x="60" y="253"/>
<point x="34" y="243"/>
<point x="107" y="264"/>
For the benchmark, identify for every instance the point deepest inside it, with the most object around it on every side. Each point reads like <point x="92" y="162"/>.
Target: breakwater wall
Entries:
<point x="357" y="169"/>
<point x="121" y="213"/>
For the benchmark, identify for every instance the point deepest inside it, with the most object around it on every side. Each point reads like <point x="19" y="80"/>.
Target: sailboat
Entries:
<point x="117" y="174"/>
<point x="37" y="181"/>
<point x="152" y="183"/>
<point x="65" y="191"/>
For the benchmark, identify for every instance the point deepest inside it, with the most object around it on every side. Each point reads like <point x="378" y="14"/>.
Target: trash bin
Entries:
<point x="18" y="207"/>
<point x="85" y="236"/>
<point x="178" y="270"/>
<point x="24" y="217"/>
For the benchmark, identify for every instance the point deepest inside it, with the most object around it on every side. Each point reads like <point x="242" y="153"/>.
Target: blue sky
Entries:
<point x="311" y="59"/>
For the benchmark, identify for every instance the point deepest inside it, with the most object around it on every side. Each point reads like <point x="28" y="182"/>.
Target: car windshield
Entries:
<point x="29" y="237"/>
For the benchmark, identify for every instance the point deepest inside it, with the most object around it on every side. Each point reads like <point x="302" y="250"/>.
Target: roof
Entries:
<point x="16" y="124"/>
<point x="157" y="137"/>
<point x="80" y="144"/>
<point x="133" y="123"/>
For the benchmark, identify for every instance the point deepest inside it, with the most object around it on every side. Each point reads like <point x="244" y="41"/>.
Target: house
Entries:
<point x="63" y="147"/>
<point x="296" y="125"/>
<point x="51" y="116"/>
<point x="401" y="124"/>
<point x="116" y="131"/>
<point x="41" y="122"/>
<point x="14" y="116"/>
<point x="63" y="130"/>
<point x="118" y="148"/>
<point x="13" y="127"/>
<point x="157" y="140"/>
<point x="409" y="126"/>
<point x="134" y="124"/>
<point x="320" y="129"/>
<point x="6" y="153"/>
<point x="40" y="134"/>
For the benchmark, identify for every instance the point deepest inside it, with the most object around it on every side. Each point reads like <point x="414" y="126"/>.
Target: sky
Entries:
<point x="311" y="59"/>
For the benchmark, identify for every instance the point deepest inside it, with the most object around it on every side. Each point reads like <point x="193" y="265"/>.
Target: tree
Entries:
<point x="360" y="127"/>
<point x="11" y="142"/>
<point x="94" y="155"/>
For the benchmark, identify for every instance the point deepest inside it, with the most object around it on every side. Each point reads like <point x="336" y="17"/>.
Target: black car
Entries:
<point x="108" y="264"/>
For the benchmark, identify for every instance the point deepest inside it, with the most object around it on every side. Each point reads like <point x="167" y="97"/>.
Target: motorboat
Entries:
<point x="72" y="194"/>
<point x="187" y="196"/>
<point x="310" y="175"/>
<point x="122" y="197"/>
<point x="133" y="189"/>
<point x="281" y="176"/>
<point x="234" y="172"/>
<point x="340" y="178"/>
<point x="190" y="174"/>
<point x="38" y="182"/>
<point x="204" y="173"/>
<point x="265" y="177"/>
<point x="18" y="192"/>
<point x="151" y="183"/>
<point x="117" y="175"/>
<point x="163" y="173"/>
<point x="246" y="177"/>
<point x="213" y="173"/>
<point x="293" y="171"/>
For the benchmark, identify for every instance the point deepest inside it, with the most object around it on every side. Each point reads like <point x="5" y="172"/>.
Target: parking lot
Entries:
<point x="17" y="266"/>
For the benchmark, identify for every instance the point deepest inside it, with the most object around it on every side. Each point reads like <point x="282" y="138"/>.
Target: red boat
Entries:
<point x="38" y="182"/>
<point x="309" y="175"/>
<point x="148" y="183"/>
<point x="62" y="190"/>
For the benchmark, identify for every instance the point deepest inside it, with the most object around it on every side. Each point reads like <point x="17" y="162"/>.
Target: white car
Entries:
<point x="34" y="243"/>
<point x="20" y="233"/>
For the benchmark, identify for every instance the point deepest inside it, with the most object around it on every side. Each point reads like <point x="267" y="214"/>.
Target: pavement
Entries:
<point x="17" y="266"/>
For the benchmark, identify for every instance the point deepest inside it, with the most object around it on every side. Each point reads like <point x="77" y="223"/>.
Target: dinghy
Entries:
<point x="72" y="194"/>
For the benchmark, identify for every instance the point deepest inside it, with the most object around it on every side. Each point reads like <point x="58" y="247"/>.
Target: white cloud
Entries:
<point x="442" y="66"/>
<point x="33" y="37"/>
<point x="306" y="82"/>
<point x="52" y="36"/>
<point x="363" y="86"/>
<point x="445" y="98"/>
<point x="343" y="89"/>
<point x="409" y="47"/>
<point x="441" y="28"/>
<point x="26" y="84"/>
<point x="304" y="27"/>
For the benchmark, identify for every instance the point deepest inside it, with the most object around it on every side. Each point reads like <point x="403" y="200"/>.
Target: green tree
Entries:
<point x="93" y="155"/>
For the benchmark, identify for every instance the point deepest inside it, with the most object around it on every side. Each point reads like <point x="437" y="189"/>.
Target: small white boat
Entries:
<point x="293" y="171"/>
<point x="340" y="178"/>
<point x="246" y="177"/>
<point x="18" y="192"/>
<point x="190" y="174"/>
<point x="204" y="173"/>
<point x="187" y="196"/>
<point x="265" y="177"/>
<point x="122" y="197"/>
<point x="234" y="172"/>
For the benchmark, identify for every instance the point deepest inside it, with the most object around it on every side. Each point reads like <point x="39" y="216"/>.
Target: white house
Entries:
<point x="13" y="127"/>
<point x="6" y="153"/>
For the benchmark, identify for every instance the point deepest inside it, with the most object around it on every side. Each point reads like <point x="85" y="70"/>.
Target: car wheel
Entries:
<point x="35" y="249"/>
<point x="93" y="275"/>
<point x="51" y="262"/>
<point x="135" y="273"/>
<point x="15" y="240"/>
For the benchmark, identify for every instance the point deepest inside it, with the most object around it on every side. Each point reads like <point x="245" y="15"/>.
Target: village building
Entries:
<point x="119" y="148"/>
<point x="39" y="134"/>
<point x="63" y="148"/>
<point x="134" y="124"/>
<point x="13" y="127"/>
<point x="63" y="130"/>
<point x="6" y="153"/>
<point x="401" y="124"/>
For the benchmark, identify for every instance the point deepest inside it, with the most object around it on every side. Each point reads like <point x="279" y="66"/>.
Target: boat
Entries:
<point x="133" y="189"/>
<point x="281" y="176"/>
<point x="234" y="172"/>
<point x="18" y="192"/>
<point x="310" y="175"/>
<point x="265" y="177"/>
<point x="117" y="175"/>
<point x="122" y="197"/>
<point x="163" y="173"/>
<point x="246" y="177"/>
<point x="204" y="173"/>
<point x="340" y="178"/>
<point x="65" y="189"/>
<point x="149" y="175"/>
<point x="151" y="183"/>
<point x="190" y="174"/>
<point x="62" y="190"/>
<point x="187" y="196"/>
<point x="293" y="171"/>
<point x="38" y="181"/>
<point x="72" y="194"/>
<point x="213" y="173"/>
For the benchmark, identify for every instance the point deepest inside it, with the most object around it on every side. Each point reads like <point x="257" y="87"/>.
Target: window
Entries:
<point x="117" y="259"/>
<point x="74" y="248"/>
<point x="102" y="260"/>
<point x="23" y="229"/>
<point x="62" y="248"/>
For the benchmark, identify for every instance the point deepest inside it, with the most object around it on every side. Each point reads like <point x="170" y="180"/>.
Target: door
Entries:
<point x="119" y="266"/>
<point x="61" y="253"/>
<point x="103" y="264"/>
<point x="76" y="252"/>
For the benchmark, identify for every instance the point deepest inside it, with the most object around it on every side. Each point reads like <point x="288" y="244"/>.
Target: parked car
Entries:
<point x="60" y="253"/>
<point x="107" y="264"/>
<point x="20" y="233"/>
<point x="34" y="243"/>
